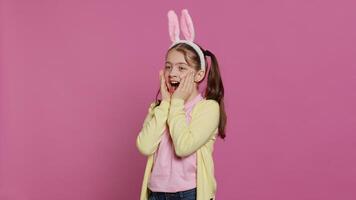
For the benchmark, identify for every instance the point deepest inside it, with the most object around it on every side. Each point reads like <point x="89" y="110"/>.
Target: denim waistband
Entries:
<point x="176" y="193"/>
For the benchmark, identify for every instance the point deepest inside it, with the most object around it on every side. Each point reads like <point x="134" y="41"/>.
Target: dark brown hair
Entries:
<point x="214" y="89"/>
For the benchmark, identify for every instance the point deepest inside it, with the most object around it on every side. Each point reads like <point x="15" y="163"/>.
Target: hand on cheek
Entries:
<point x="185" y="88"/>
<point x="164" y="89"/>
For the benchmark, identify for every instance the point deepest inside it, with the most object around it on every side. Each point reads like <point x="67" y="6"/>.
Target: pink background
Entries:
<point x="77" y="78"/>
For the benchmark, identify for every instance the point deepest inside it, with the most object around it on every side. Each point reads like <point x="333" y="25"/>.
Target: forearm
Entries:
<point x="187" y="138"/>
<point x="149" y="137"/>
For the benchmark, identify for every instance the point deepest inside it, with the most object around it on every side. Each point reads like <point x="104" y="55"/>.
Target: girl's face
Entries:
<point x="176" y="68"/>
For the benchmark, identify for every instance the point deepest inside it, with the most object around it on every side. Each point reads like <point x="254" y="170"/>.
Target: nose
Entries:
<point x="173" y="72"/>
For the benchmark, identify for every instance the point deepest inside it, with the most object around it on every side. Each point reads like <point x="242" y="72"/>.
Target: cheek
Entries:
<point x="166" y="75"/>
<point x="183" y="75"/>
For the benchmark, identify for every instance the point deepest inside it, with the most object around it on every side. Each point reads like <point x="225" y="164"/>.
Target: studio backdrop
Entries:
<point x="77" y="77"/>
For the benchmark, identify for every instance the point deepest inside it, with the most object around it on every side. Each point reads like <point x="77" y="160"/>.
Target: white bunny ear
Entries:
<point x="173" y="26"/>
<point x="187" y="26"/>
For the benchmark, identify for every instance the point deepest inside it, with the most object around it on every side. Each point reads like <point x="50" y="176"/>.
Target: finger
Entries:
<point x="191" y="81"/>
<point x="166" y="83"/>
<point x="181" y="84"/>
<point x="188" y="81"/>
<point x="161" y="77"/>
<point x="163" y="82"/>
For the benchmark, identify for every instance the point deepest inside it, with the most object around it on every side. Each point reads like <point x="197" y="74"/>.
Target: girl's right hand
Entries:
<point x="164" y="90"/>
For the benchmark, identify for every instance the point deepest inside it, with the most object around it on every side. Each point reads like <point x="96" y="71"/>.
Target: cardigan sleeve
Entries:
<point x="188" y="138"/>
<point x="153" y="127"/>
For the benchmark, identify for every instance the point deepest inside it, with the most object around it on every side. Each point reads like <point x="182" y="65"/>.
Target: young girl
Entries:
<point x="179" y="131"/>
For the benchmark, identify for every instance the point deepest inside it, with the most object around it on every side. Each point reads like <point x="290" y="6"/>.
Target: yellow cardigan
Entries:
<point x="197" y="136"/>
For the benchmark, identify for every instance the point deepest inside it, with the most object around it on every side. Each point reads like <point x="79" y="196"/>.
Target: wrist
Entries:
<point x="166" y="99"/>
<point x="165" y="104"/>
<point x="177" y="102"/>
<point x="177" y="97"/>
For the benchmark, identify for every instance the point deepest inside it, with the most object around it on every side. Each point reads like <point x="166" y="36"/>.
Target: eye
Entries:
<point x="181" y="68"/>
<point x="167" y="67"/>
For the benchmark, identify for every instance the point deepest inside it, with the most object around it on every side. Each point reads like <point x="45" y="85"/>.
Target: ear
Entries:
<point x="187" y="26"/>
<point x="199" y="76"/>
<point x="173" y="26"/>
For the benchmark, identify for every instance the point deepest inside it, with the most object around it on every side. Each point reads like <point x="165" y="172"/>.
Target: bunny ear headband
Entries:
<point x="187" y="27"/>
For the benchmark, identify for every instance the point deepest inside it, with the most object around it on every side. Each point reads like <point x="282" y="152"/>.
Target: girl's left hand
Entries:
<point x="185" y="88"/>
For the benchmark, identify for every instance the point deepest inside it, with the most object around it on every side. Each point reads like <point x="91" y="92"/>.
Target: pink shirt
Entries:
<point x="171" y="173"/>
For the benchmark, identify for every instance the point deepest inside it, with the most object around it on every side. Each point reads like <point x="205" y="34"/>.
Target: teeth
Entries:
<point x="174" y="84"/>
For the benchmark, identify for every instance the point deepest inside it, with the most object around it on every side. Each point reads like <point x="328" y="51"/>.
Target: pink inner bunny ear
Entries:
<point x="187" y="26"/>
<point x="173" y="26"/>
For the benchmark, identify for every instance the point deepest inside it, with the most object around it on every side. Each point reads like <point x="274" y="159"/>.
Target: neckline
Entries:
<point x="193" y="101"/>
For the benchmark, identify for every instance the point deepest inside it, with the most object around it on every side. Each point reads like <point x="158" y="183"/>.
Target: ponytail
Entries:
<point x="215" y="90"/>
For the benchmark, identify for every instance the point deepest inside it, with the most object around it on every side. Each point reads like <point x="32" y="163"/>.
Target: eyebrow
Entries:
<point x="179" y="63"/>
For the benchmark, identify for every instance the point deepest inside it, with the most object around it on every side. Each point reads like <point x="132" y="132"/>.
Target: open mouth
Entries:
<point x="174" y="85"/>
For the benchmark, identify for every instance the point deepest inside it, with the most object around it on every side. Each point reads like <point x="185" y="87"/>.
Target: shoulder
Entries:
<point x="151" y="106"/>
<point x="208" y="103"/>
<point x="161" y="103"/>
<point x="207" y="106"/>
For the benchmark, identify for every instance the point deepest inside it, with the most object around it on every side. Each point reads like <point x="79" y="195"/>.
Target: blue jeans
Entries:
<point x="183" y="195"/>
